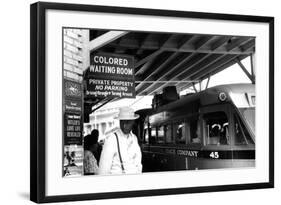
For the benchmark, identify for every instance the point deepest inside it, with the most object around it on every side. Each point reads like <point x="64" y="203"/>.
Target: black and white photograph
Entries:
<point x="135" y="102"/>
<point x="154" y="102"/>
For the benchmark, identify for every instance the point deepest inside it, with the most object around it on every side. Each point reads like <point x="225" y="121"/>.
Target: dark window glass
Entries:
<point x="216" y="128"/>
<point x="153" y="135"/>
<point x="169" y="133"/>
<point x="195" y="136"/>
<point x="146" y="135"/>
<point x="180" y="131"/>
<point x="250" y="116"/>
<point x="242" y="136"/>
<point x="160" y="134"/>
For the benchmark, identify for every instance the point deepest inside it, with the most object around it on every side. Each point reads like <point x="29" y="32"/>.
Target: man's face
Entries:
<point x="126" y="126"/>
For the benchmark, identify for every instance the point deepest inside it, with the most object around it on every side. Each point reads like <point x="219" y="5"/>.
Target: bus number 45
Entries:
<point x="214" y="155"/>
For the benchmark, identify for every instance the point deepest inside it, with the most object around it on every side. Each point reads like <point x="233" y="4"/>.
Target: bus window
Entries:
<point x="160" y="134"/>
<point x="153" y="135"/>
<point x="180" y="129"/>
<point x="194" y="131"/>
<point x="216" y="128"/>
<point x="249" y="116"/>
<point x="169" y="133"/>
<point x="242" y="136"/>
<point x="145" y="135"/>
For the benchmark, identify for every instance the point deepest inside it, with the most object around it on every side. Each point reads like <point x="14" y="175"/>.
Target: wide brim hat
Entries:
<point x="127" y="113"/>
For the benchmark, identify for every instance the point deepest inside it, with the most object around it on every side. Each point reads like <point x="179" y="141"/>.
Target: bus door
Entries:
<point x="188" y="142"/>
<point x="145" y="147"/>
<point x="161" y="151"/>
<point x="157" y="150"/>
<point x="217" y="131"/>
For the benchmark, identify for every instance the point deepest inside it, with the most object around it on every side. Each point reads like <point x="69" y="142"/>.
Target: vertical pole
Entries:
<point x="207" y="84"/>
<point x="85" y="50"/>
<point x="253" y="65"/>
<point x="85" y="64"/>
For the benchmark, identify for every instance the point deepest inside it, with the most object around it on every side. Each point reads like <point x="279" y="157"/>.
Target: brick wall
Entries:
<point x="75" y="53"/>
<point x="76" y="59"/>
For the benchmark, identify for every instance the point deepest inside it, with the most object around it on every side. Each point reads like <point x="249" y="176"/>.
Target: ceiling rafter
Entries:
<point x="155" y="87"/>
<point x="198" y="74"/>
<point x="189" y="49"/>
<point x="185" y="40"/>
<point x="105" y="39"/>
<point x="229" y="60"/>
<point x="202" y="41"/>
<point x="165" y="72"/>
<point x="178" y="59"/>
<point x="220" y="42"/>
<point x="149" y="75"/>
<point x="236" y="42"/>
<point x="165" y="40"/>
<point x="149" y="57"/>
<point x="142" y="42"/>
<point x="143" y="68"/>
<point x="248" y="45"/>
<point x="201" y="66"/>
<point x="189" y="64"/>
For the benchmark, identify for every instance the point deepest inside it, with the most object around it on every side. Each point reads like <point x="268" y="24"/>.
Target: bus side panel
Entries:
<point x="166" y="162"/>
<point x="148" y="162"/>
<point x="153" y="162"/>
<point x="244" y="163"/>
<point x="201" y="163"/>
<point x="181" y="163"/>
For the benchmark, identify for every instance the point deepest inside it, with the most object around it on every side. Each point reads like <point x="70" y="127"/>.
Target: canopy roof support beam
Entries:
<point x="253" y="67"/>
<point x="207" y="84"/>
<point x="251" y="77"/>
<point x="105" y="39"/>
<point x="102" y="104"/>
<point x="194" y="88"/>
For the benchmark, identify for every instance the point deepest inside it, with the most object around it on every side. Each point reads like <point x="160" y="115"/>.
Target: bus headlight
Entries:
<point x="222" y="96"/>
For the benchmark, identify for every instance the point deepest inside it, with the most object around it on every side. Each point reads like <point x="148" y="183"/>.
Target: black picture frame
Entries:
<point x="38" y="100"/>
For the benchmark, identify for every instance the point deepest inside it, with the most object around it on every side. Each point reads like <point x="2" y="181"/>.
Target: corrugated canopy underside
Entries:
<point x="165" y="59"/>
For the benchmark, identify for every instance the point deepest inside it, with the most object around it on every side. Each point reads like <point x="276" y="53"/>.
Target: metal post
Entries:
<point x="207" y="84"/>
<point x="245" y="71"/>
<point x="193" y="84"/>
<point x="253" y="67"/>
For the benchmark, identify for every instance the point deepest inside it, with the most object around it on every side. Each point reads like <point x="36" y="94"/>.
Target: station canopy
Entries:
<point x="173" y="59"/>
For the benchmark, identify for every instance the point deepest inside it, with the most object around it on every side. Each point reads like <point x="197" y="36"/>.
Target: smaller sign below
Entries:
<point x="109" y="87"/>
<point x="73" y="106"/>
<point x="73" y="128"/>
<point x="73" y="161"/>
<point x="72" y="89"/>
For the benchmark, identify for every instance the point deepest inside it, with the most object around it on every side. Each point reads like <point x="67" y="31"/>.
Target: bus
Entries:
<point x="211" y="129"/>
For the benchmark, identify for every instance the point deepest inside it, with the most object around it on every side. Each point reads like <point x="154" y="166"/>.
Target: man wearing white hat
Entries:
<point x="121" y="152"/>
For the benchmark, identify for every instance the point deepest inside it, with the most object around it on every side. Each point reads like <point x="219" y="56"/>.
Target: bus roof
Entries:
<point x="209" y="96"/>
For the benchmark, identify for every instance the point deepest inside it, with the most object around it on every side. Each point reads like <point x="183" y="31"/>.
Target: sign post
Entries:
<point x="73" y="128"/>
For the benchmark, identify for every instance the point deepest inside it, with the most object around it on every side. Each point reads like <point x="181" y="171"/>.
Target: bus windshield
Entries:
<point x="249" y="116"/>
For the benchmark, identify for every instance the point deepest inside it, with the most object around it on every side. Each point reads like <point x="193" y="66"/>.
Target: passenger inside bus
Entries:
<point x="216" y="128"/>
<point x="224" y="139"/>
<point x="215" y="134"/>
<point x="180" y="129"/>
